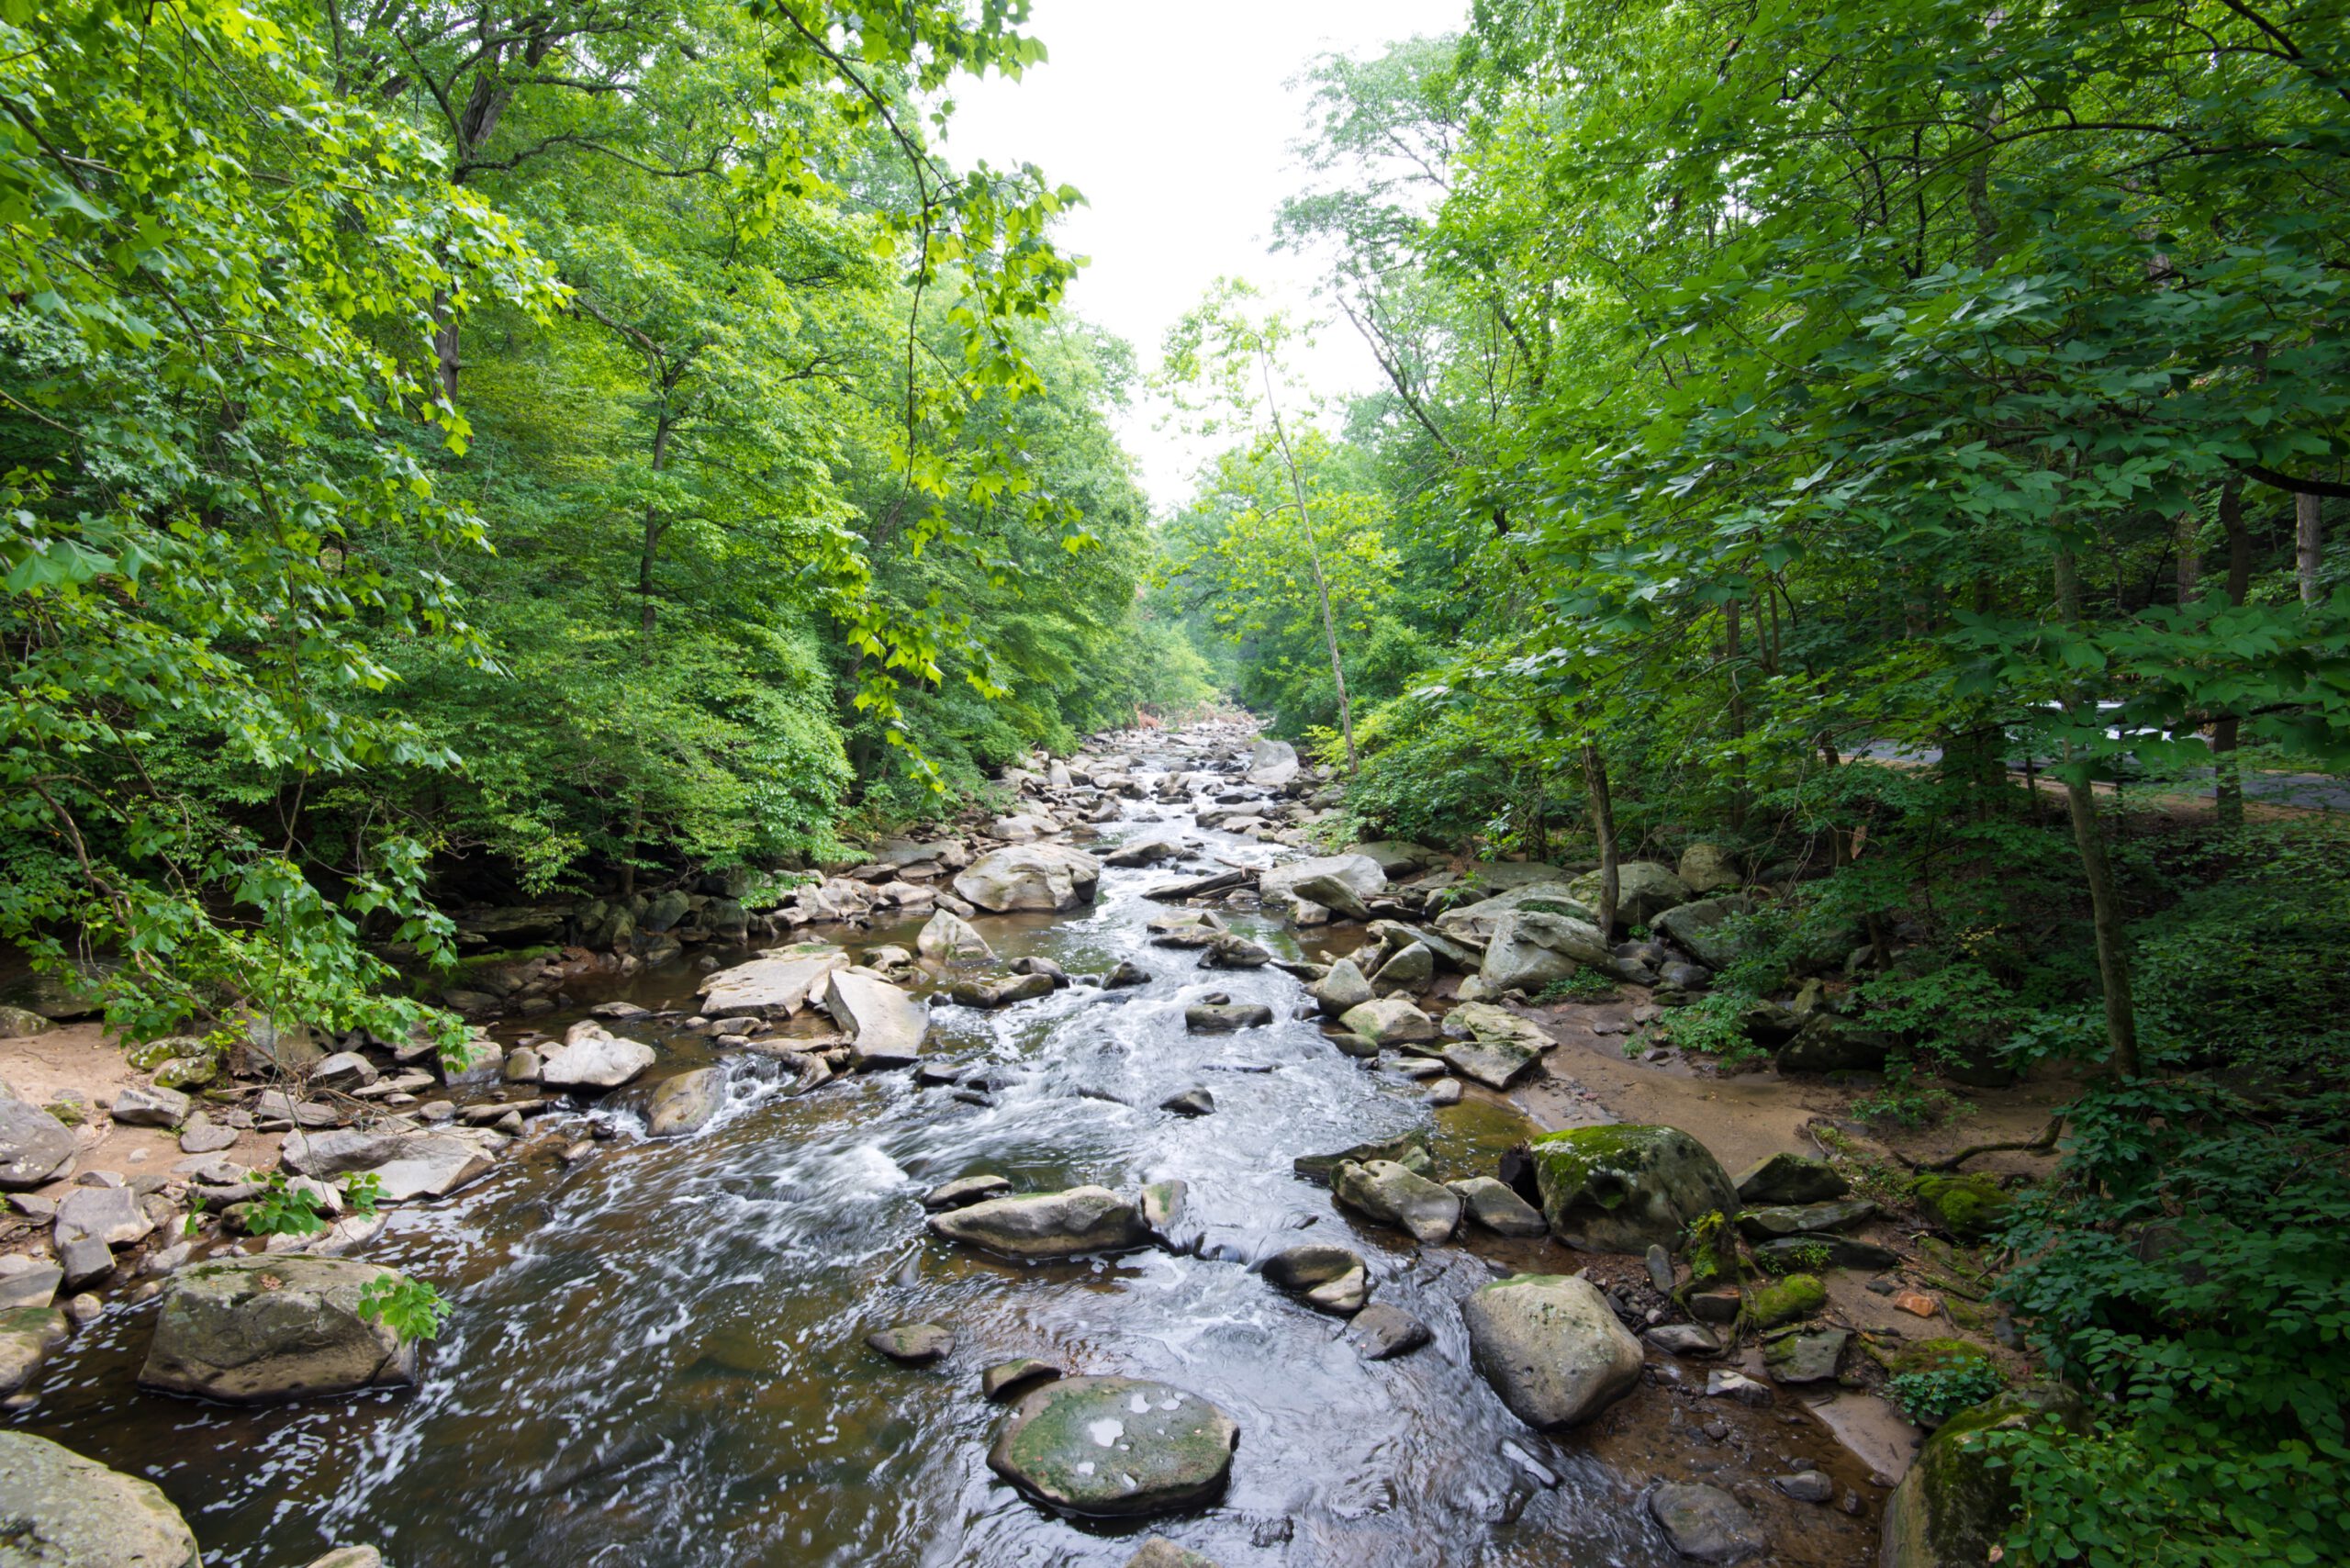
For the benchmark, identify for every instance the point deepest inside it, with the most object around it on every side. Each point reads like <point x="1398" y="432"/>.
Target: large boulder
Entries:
<point x="254" y="1330"/>
<point x="1272" y="763"/>
<point x="1791" y="1179"/>
<point x="685" y="1104"/>
<point x="886" y="1026"/>
<point x="1042" y="877"/>
<point x="592" y="1056"/>
<point x="1828" y="1044"/>
<point x="1047" y="1225"/>
<point x="1395" y="1195"/>
<point x="1644" y="889"/>
<point x="1550" y="1347"/>
<point x="112" y="1216"/>
<point x="1529" y="948"/>
<point x="64" y="1511"/>
<point x="1116" y="1448"/>
<point x="775" y="985"/>
<point x="1707" y="868"/>
<point x="948" y="936"/>
<point x="1277" y="889"/>
<point x="143" y="1107"/>
<point x="1500" y="1045"/>
<point x="1954" y="1509"/>
<point x="1707" y="1524"/>
<point x="1397" y="857"/>
<point x="34" y="1145"/>
<point x="1476" y="922"/>
<point x="1702" y="928"/>
<point x="1340" y="990"/>
<point x="1625" y="1188"/>
<point x="1390" y="1021"/>
<point x="28" y="1334"/>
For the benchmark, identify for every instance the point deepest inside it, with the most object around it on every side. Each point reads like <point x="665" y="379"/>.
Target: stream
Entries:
<point x="657" y="1355"/>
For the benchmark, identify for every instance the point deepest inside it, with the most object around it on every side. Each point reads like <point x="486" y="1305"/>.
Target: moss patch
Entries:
<point x="1784" y="1301"/>
<point x="1968" y="1206"/>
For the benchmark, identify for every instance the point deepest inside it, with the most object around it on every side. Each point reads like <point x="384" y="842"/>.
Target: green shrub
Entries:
<point x="1933" y="1396"/>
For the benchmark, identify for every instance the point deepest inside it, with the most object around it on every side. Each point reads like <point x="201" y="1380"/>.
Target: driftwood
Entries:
<point x="2044" y="1143"/>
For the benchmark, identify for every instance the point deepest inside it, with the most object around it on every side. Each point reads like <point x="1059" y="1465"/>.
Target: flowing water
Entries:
<point x="657" y="1357"/>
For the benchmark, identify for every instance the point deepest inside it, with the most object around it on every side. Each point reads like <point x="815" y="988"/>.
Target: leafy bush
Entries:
<point x="1714" y="1025"/>
<point x="1584" y="985"/>
<point x="414" y="1309"/>
<point x="1933" y="1396"/>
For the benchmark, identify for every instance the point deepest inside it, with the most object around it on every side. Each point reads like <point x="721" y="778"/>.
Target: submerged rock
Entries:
<point x="1047" y="1225"/>
<point x="1382" y="1332"/>
<point x="254" y="1330"/>
<point x="1225" y="1017"/>
<point x="1116" y="1448"/>
<point x="1330" y="1278"/>
<point x="1161" y="1553"/>
<point x="1007" y="1380"/>
<point x="72" y="1512"/>
<point x="1622" y="1189"/>
<point x="1550" y="1347"/>
<point x="28" y="1334"/>
<point x="686" y="1103"/>
<point x="1706" y="1523"/>
<point x="913" y="1344"/>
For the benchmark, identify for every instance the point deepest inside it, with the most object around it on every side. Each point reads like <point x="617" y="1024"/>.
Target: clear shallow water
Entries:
<point x="658" y="1357"/>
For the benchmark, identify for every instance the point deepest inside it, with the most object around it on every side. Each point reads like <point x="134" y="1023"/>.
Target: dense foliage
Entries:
<point x="1804" y="423"/>
<point x="460" y="453"/>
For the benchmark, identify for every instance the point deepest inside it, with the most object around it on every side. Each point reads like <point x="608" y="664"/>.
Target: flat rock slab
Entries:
<point x="1808" y="1357"/>
<point x="1047" y="1225"/>
<point x="75" y="1511"/>
<point x="109" y="1215"/>
<point x="254" y="1330"/>
<point x="1496" y="1064"/>
<point x="592" y="1056"/>
<point x="1116" y="1448"/>
<point x="34" y="1145"/>
<point x="1225" y="1018"/>
<point x="776" y="983"/>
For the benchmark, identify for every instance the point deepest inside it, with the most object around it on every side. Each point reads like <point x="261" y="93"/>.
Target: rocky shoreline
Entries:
<point x="1640" y="1260"/>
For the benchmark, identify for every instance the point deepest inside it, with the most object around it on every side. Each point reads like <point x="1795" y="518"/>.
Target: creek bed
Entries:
<point x="657" y="1357"/>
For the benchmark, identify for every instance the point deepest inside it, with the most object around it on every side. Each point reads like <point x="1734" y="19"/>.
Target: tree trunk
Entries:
<point x="2088" y="839"/>
<point x="2309" y="542"/>
<point x="1314" y="552"/>
<point x="1602" y="828"/>
<point x="2227" y="784"/>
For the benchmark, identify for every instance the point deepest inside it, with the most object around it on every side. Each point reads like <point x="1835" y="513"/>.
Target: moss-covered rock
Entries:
<point x="1625" y="1188"/>
<point x="1115" y="1447"/>
<point x="1969" y="1206"/>
<point x="1954" y="1508"/>
<point x="1784" y="1301"/>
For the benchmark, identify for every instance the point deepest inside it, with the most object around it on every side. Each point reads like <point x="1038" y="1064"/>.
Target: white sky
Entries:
<point x="1176" y="121"/>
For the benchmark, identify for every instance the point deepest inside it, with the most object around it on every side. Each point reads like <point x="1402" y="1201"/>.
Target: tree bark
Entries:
<point x="2309" y="542"/>
<point x="1602" y="828"/>
<point x="2088" y="839"/>
<point x="1314" y="553"/>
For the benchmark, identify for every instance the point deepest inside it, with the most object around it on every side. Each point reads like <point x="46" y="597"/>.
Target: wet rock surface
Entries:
<point x="1115" y="1447"/>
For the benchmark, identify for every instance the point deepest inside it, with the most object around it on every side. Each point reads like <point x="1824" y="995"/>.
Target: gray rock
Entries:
<point x="774" y="984"/>
<point x="1791" y="1179"/>
<point x="1805" y="1486"/>
<point x="1277" y="889"/>
<point x="1495" y="1063"/>
<point x="1116" y="1448"/>
<point x="1272" y="763"/>
<point x="1955" y="1507"/>
<point x="1411" y="969"/>
<point x="1330" y="892"/>
<point x="1806" y="1356"/>
<point x="1551" y="1348"/>
<point x="1043" y="877"/>
<point x="1828" y="1044"/>
<point x="1000" y="993"/>
<point x="1803" y="1219"/>
<point x="1008" y="1381"/>
<point x="30" y="1284"/>
<point x="1329" y="1279"/>
<point x="201" y="1134"/>
<point x="1396" y="858"/>
<point x="914" y="1344"/>
<point x="1660" y="1266"/>
<point x="34" y="1145"/>
<point x="523" y="1065"/>
<point x="1621" y="1189"/>
<point x="429" y="1167"/>
<point x="344" y="1069"/>
<point x="254" y="1330"/>
<point x="1390" y="1021"/>
<point x="1529" y="949"/>
<point x="1382" y="1332"/>
<point x="1409" y="1150"/>
<point x="1190" y="1103"/>
<point x="28" y="1334"/>
<point x="1645" y="890"/>
<point x="1796" y="1254"/>
<point x="886" y="1026"/>
<point x="1148" y="850"/>
<point x="948" y="937"/>
<point x="1706" y="1523"/>
<point x="1127" y="973"/>
<point x="1706" y="868"/>
<point x="84" y="1261"/>
<point x="332" y="1153"/>
<point x="66" y="1511"/>
<point x="1229" y="952"/>
<point x="351" y="1557"/>
<point x="1683" y="1339"/>
<point x="1702" y="929"/>
<point x="1498" y="1208"/>
<point x="109" y="1215"/>
<point x="1340" y="990"/>
<point x="963" y="1191"/>
<point x="138" y="1107"/>
<point x="20" y="1023"/>
<point x="1724" y="1384"/>
<point x="592" y="1056"/>
<point x="1161" y="1553"/>
<point x="1445" y="1092"/>
<point x="1047" y="1225"/>
<point x="685" y="1104"/>
<point x="1393" y="1194"/>
<point x="1225" y="1018"/>
<point x="1476" y="921"/>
